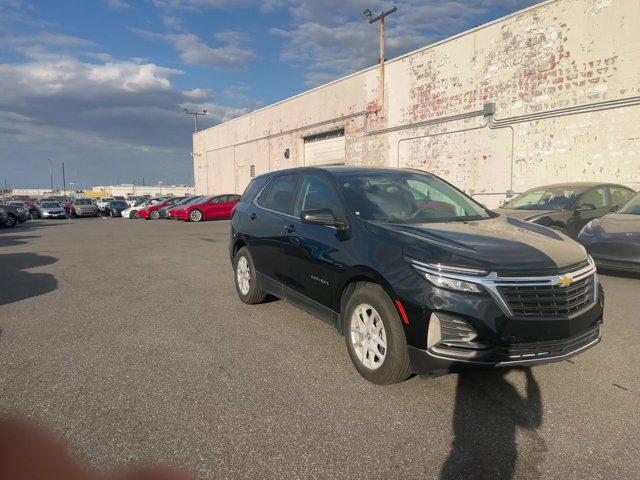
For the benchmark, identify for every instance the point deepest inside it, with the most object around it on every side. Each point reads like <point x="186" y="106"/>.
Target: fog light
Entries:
<point x="449" y="331"/>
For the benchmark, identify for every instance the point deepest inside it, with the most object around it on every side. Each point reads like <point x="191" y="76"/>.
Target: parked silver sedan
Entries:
<point x="51" y="210"/>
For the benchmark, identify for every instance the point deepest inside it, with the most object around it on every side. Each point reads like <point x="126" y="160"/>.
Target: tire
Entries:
<point x="381" y="365"/>
<point x="133" y="215"/>
<point x="10" y="222"/>
<point x="195" y="216"/>
<point x="155" y="215"/>
<point x="253" y="294"/>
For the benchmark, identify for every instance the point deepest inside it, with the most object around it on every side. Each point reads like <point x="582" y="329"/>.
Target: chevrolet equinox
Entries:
<point x="417" y="276"/>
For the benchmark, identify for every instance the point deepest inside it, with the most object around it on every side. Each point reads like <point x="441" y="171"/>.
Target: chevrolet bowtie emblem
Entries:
<point x="565" y="280"/>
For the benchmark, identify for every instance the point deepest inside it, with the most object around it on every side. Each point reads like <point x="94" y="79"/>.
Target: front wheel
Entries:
<point x="374" y="335"/>
<point x="245" y="276"/>
<point x="133" y="215"/>
<point x="195" y="216"/>
<point x="155" y="215"/>
<point x="10" y="222"/>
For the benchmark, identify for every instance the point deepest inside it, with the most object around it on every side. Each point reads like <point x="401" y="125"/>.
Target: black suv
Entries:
<point x="416" y="275"/>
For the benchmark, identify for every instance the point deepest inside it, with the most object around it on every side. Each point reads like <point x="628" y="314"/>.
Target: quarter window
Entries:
<point x="279" y="194"/>
<point x="619" y="195"/>
<point x="315" y="194"/>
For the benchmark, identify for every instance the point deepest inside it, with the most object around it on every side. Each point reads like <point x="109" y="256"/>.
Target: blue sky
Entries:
<point x="100" y="84"/>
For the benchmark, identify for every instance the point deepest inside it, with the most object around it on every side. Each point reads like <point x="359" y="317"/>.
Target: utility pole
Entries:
<point x="381" y="18"/>
<point x="143" y="181"/>
<point x="50" y="175"/>
<point x="64" y="181"/>
<point x="195" y="117"/>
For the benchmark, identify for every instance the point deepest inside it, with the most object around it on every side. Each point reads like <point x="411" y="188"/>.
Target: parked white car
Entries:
<point x="132" y="212"/>
<point x="103" y="202"/>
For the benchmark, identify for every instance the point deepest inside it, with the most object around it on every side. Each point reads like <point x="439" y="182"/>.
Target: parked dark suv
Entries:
<point x="416" y="275"/>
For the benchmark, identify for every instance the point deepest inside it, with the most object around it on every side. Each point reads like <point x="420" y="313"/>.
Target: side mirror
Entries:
<point x="585" y="207"/>
<point x="614" y="209"/>
<point x="323" y="216"/>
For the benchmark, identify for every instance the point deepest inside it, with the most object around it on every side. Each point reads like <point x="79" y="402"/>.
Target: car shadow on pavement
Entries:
<point x="487" y="414"/>
<point x="17" y="284"/>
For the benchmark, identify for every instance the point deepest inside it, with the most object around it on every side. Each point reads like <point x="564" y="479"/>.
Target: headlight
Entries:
<point x="587" y="230"/>
<point x="451" y="284"/>
<point x="442" y="276"/>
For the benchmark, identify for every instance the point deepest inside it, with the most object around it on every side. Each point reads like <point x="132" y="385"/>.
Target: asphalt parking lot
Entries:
<point x="127" y="339"/>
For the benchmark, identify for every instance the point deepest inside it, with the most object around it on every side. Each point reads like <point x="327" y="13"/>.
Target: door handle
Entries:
<point x="252" y="216"/>
<point x="290" y="228"/>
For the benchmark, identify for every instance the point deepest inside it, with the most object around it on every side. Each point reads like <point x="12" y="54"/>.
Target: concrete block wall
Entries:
<point x="564" y="77"/>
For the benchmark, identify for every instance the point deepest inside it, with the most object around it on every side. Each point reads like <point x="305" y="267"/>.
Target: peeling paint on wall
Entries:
<point x="555" y="56"/>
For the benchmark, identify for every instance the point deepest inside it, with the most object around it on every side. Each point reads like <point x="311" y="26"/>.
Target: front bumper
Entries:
<point x="437" y="361"/>
<point x="53" y="215"/>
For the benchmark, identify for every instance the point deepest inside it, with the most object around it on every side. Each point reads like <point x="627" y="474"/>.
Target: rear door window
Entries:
<point x="278" y="195"/>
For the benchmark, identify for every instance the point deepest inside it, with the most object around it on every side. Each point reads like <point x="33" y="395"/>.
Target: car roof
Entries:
<point x="331" y="169"/>
<point x="580" y="185"/>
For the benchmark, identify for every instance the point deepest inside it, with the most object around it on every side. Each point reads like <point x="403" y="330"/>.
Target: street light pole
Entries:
<point x="50" y="175"/>
<point x="195" y="117"/>
<point x="381" y="18"/>
<point x="64" y="181"/>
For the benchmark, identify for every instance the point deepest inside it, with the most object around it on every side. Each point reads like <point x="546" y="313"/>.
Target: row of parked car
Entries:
<point x="191" y="208"/>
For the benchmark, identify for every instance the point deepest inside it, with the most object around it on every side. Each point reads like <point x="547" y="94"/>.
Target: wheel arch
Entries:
<point x="360" y="274"/>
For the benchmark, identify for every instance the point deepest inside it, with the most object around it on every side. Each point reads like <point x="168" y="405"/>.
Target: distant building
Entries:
<point x="127" y="189"/>
<point x="548" y="94"/>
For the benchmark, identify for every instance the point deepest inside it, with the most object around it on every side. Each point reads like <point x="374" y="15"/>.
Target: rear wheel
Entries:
<point x="245" y="278"/>
<point x="195" y="216"/>
<point x="133" y="214"/>
<point x="374" y="335"/>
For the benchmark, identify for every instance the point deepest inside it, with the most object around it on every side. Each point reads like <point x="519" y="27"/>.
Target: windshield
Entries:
<point x="119" y="204"/>
<point x="555" y="198"/>
<point x="107" y="200"/>
<point x="17" y="204"/>
<point x="632" y="207"/>
<point x="406" y="197"/>
<point x="50" y="205"/>
<point x="83" y="201"/>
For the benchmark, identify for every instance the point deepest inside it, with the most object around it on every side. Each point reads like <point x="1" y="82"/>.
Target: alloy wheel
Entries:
<point x="155" y="215"/>
<point x="196" y="216"/>
<point x="243" y="275"/>
<point x="368" y="336"/>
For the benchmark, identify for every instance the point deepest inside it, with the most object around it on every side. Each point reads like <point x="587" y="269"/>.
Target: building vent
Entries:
<point x="327" y="148"/>
<point x="252" y="171"/>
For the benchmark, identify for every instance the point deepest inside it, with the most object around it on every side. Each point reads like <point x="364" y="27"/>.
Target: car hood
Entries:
<point x="617" y="225"/>
<point x="497" y="244"/>
<point x="524" y="214"/>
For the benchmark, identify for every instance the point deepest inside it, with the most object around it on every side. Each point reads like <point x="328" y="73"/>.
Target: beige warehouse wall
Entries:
<point x="541" y="62"/>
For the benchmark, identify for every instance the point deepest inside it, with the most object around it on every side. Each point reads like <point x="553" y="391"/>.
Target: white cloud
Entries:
<point x="194" y="51"/>
<point x="118" y="4"/>
<point x="198" y="94"/>
<point x="332" y="38"/>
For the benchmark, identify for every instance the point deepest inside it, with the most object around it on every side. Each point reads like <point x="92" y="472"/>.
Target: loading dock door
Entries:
<point x="325" y="148"/>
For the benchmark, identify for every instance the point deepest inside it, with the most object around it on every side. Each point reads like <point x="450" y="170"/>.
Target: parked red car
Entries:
<point x="151" y="212"/>
<point x="208" y="208"/>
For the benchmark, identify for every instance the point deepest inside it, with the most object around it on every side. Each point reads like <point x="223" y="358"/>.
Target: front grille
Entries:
<point x="548" y="300"/>
<point x="523" y="351"/>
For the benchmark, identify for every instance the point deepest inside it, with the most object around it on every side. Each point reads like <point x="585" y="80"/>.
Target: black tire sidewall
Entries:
<point x="395" y="367"/>
<point x="255" y="294"/>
